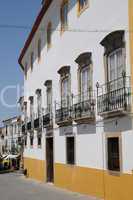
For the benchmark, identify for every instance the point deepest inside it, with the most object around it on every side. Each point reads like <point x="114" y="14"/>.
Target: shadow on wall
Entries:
<point x="86" y="129"/>
<point x="66" y="130"/>
<point x="118" y="124"/>
<point x="81" y="129"/>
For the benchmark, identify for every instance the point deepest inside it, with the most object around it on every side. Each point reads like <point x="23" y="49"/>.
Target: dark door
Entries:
<point x="49" y="159"/>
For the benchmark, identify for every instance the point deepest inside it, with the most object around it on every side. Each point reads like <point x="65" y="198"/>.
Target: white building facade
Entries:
<point x="77" y="63"/>
<point x="11" y="136"/>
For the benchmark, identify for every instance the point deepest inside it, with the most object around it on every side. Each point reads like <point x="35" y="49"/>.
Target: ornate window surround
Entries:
<point x="112" y="42"/>
<point x="84" y="60"/>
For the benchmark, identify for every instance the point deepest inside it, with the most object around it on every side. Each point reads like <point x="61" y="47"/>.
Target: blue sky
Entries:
<point x="16" y="12"/>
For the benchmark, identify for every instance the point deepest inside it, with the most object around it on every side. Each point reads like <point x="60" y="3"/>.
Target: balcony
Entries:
<point x="47" y="118"/>
<point x="116" y="97"/>
<point x="84" y="108"/>
<point x="63" y="113"/>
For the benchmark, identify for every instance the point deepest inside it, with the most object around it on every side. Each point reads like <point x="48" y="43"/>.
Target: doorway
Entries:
<point x="50" y="159"/>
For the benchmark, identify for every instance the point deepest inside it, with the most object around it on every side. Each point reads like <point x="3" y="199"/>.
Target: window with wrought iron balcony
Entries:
<point x="63" y="109"/>
<point x="84" y="103"/>
<point x="114" y="97"/>
<point x="24" y="123"/>
<point x="30" y="120"/>
<point x="48" y="112"/>
<point x="38" y="117"/>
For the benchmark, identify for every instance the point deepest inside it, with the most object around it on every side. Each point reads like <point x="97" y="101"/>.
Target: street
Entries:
<point x="14" y="186"/>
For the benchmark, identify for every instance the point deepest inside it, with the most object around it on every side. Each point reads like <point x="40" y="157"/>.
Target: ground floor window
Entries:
<point x="31" y="141"/>
<point x="70" y="150"/>
<point x="39" y="141"/>
<point x="113" y="153"/>
<point x="25" y="141"/>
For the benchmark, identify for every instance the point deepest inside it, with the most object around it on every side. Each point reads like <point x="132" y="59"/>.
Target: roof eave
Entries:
<point x="34" y="29"/>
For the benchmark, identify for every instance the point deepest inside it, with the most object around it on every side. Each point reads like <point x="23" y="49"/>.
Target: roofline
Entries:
<point x="9" y="119"/>
<point x="34" y="29"/>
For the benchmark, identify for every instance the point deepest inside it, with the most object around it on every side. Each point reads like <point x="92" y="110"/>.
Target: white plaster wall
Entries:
<point x="101" y="18"/>
<point x="35" y="152"/>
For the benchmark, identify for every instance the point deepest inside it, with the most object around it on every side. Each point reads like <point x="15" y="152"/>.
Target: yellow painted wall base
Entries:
<point x="35" y="168"/>
<point x="88" y="181"/>
<point x="94" y="182"/>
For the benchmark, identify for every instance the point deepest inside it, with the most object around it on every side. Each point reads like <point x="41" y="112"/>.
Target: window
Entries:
<point x="70" y="150"/>
<point x="31" y="98"/>
<point x="65" y="85"/>
<point x="82" y="4"/>
<point x="39" y="141"/>
<point x="65" y="92"/>
<point x="48" y="84"/>
<point x="25" y="70"/>
<point x="39" y="102"/>
<point x="32" y="60"/>
<point x="25" y="112"/>
<point x="86" y="83"/>
<point x="39" y="49"/>
<point x="85" y="75"/>
<point x="25" y="141"/>
<point x="49" y="35"/>
<point x="113" y="154"/>
<point x="64" y="15"/>
<point x="115" y="67"/>
<point x="31" y="141"/>
<point x="6" y="130"/>
<point x="49" y="98"/>
<point x="114" y="47"/>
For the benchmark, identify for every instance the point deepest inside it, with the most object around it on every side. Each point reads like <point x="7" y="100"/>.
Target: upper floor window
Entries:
<point x="48" y="85"/>
<point x="31" y="98"/>
<point x="32" y="60"/>
<point x="39" y="102"/>
<point x="39" y="49"/>
<point x="85" y="75"/>
<point x="115" y="58"/>
<point x="82" y="4"/>
<point x="115" y="64"/>
<point x="64" y="15"/>
<point x="25" y="112"/>
<point x="49" y="35"/>
<point x="65" y="85"/>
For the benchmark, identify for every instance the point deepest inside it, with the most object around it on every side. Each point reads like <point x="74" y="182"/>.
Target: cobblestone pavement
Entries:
<point x="14" y="186"/>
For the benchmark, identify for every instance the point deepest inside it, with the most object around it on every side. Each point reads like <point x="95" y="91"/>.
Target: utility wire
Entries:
<point x="93" y="30"/>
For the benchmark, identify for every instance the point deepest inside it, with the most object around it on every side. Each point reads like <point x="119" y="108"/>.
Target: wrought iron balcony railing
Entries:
<point x="84" y="108"/>
<point x="63" y="111"/>
<point x="48" y="118"/>
<point x="115" y="97"/>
